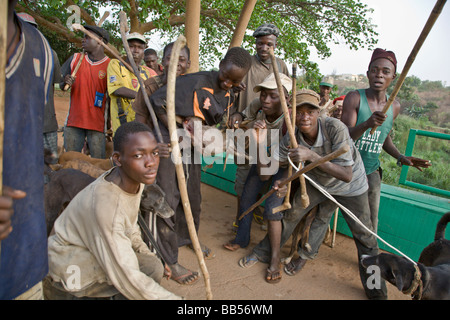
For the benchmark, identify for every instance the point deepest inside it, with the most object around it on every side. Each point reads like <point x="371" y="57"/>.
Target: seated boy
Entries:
<point x="97" y="250"/>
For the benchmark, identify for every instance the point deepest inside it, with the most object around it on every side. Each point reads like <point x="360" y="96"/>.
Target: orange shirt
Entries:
<point x="88" y="94"/>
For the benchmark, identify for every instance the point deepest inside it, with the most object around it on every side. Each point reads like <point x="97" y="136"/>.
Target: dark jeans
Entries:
<point x="74" y="139"/>
<point x="365" y="242"/>
<point x="252" y="188"/>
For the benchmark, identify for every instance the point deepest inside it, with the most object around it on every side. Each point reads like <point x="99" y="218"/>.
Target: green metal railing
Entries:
<point x="408" y="152"/>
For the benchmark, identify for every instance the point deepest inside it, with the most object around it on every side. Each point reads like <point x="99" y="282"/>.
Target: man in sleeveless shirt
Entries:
<point x="86" y="119"/>
<point x="362" y="110"/>
<point x="23" y="234"/>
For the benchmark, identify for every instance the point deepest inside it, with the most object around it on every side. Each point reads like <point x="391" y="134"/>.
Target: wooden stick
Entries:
<point x="305" y="169"/>
<point x="176" y="157"/>
<point x="123" y="28"/>
<point x="111" y="49"/>
<point x="103" y="18"/>
<point x="287" y="204"/>
<point x="74" y="72"/>
<point x="412" y="56"/>
<point x="3" y="60"/>
<point x="287" y="120"/>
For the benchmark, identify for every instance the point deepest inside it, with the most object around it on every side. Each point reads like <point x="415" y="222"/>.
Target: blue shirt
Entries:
<point x="24" y="258"/>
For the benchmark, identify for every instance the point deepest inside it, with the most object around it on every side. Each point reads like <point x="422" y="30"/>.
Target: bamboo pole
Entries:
<point x="176" y="157"/>
<point x="412" y="56"/>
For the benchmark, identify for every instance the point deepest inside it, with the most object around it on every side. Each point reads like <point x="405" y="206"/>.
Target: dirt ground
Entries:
<point x="333" y="275"/>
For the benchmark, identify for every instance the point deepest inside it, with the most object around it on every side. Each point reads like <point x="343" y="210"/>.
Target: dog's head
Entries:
<point x="394" y="269"/>
<point x="153" y="200"/>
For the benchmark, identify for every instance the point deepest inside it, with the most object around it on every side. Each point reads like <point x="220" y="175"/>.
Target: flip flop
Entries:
<point x="180" y="279"/>
<point x="273" y="276"/>
<point x="248" y="261"/>
<point x="231" y="246"/>
<point x="292" y="268"/>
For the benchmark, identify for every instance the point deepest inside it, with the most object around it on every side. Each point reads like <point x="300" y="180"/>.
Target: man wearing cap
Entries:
<point x="86" y="118"/>
<point x="265" y="37"/>
<point x="123" y="84"/>
<point x="362" y="110"/>
<point x="343" y="177"/>
<point x="325" y="87"/>
<point x="266" y="114"/>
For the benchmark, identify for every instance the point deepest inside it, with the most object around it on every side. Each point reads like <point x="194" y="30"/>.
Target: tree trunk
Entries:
<point x="242" y="24"/>
<point x="192" y="32"/>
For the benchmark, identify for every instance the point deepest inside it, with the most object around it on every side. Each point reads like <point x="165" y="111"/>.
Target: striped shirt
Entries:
<point x="332" y="135"/>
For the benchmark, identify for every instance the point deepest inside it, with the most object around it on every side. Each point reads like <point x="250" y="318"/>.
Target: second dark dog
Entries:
<point x="430" y="278"/>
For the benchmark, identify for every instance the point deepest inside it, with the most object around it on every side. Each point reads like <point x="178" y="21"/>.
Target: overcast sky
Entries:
<point x="399" y="24"/>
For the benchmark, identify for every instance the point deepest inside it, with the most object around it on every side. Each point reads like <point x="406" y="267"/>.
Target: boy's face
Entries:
<point x="380" y="74"/>
<point x="151" y="61"/>
<point x="140" y="158"/>
<point x="270" y="102"/>
<point x="137" y="49"/>
<point x="306" y="118"/>
<point x="230" y="75"/>
<point x="183" y="62"/>
<point x="89" y="45"/>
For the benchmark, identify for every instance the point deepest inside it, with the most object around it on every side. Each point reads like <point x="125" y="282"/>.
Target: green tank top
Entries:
<point x="370" y="146"/>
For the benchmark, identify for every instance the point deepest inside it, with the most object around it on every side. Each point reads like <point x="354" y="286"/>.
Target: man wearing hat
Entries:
<point x="86" y="118"/>
<point x="265" y="113"/>
<point x="123" y="84"/>
<point x="344" y="178"/>
<point x="325" y="87"/>
<point x="265" y="37"/>
<point x="362" y="110"/>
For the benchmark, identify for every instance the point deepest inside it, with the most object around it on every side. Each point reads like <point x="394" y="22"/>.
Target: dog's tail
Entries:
<point x="441" y="226"/>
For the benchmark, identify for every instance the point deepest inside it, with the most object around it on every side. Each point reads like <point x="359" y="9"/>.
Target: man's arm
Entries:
<point x="349" y="116"/>
<point x="301" y="153"/>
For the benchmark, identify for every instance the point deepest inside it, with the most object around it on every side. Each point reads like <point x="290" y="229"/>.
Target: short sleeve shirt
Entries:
<point x="332" y="135"/>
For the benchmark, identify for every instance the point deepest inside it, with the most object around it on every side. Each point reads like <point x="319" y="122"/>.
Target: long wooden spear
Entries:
<point x="290" y="127"/>
<point x="305" y="169"/>
<point x="123" y="29"/>
<point x="176" y="157"/>
<point x="412" y="56"/>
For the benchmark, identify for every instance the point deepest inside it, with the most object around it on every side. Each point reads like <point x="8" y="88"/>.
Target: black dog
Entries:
<point x="430" y="278"/>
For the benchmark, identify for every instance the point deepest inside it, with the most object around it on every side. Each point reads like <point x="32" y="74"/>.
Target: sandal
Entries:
<point x="231" y="246"/>
<point x="187" y="277"/>
<point x="248" y="261"/>
<point x="273" y="276"/>
<point x="293" y="267"/>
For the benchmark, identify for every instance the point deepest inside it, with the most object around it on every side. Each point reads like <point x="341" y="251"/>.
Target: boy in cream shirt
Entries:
<point x="97" y="250"/>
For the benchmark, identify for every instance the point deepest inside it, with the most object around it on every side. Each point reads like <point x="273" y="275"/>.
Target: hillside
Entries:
<point x="414" y="95"/>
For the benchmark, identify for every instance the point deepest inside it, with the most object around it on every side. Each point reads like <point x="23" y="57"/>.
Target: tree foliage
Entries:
<point x="303" y="24"/>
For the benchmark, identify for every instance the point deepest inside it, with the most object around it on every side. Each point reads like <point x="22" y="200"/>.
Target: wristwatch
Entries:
<point x="399" y="160"/>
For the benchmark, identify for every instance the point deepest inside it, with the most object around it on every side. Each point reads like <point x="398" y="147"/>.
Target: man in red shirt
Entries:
<point x="86" y="118"/>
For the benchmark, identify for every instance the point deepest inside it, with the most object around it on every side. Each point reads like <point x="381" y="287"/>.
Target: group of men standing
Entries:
<point x="207" y="96"/>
